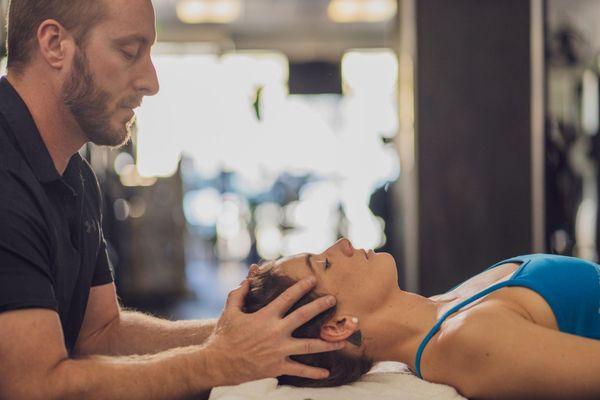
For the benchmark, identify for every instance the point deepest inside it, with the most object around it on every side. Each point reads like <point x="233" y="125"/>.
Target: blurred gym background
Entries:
<point x="450" y="133"/>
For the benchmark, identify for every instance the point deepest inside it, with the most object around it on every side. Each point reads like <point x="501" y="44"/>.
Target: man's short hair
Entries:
<point x="25" y="17"/>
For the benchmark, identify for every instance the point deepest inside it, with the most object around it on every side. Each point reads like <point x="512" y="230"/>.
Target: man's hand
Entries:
<point x="255" y="346"/>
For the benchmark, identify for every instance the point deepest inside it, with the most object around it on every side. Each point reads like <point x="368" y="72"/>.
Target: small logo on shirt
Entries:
<point x="90" y="226"/>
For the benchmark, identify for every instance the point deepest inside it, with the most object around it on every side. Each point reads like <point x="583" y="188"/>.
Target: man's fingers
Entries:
<point x="288" y="298"/>
<point x="312" y="346"/>
<point x="304" y="371"/>
<point x="253" y="270"/>
<point x="235" y="299"/>
<point x="307" y="312"/>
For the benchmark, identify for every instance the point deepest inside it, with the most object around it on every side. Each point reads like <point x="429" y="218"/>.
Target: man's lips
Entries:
<point x="129" y="111"/>
<point x="132" y="104"/>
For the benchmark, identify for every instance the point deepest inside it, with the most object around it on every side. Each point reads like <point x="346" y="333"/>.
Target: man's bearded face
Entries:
<point x="90" y="106"/>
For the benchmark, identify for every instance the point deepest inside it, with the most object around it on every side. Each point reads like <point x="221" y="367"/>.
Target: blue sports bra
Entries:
<point x="570" y="286"/>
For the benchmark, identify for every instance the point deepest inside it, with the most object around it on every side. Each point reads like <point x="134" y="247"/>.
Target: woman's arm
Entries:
<point x="500" y="355"/>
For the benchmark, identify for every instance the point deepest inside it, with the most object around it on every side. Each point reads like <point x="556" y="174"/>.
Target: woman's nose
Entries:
<point x="344" y="246"/>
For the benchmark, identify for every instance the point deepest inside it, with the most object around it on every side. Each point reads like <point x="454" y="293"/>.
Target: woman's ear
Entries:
<point x="339" y="328"/>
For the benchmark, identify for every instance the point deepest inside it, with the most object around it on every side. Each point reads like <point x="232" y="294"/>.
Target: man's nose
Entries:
<point x="344" y="246"/>
<point x="147" y="82"/>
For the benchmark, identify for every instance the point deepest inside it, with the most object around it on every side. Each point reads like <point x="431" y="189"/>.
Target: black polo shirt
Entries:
<point x="52" y="249"/>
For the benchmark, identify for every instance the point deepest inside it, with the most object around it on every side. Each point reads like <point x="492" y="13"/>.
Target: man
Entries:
<point x="76" y="70"/>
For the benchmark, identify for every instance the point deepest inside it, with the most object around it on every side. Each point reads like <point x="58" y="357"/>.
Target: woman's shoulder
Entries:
<point x="480" y="320"/>
<point x="461" y="346"/>
<point x="496" y="352"/>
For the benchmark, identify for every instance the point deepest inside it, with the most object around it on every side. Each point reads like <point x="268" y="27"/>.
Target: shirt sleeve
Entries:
<point x="104" y="272"/>
<point x="25" y="277"/>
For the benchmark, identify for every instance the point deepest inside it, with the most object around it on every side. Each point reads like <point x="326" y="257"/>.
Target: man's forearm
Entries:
<point x="138" y="333"/>
<point x="180" y="373"/>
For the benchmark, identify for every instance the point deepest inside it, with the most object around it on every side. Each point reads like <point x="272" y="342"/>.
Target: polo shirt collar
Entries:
<point x="27" y="135"/>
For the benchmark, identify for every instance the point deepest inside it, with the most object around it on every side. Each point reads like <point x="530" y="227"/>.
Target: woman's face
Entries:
<point x="360" y="280"/>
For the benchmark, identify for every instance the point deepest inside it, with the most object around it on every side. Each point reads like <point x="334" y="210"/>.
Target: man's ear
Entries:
<point x="55" y="43"/>
<point x="339" y="328"/>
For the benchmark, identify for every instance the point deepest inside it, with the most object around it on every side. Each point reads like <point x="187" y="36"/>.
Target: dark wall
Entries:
<point x="473" y="138"/>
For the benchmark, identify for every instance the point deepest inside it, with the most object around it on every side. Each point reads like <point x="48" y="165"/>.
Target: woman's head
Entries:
<point x="360" y="281"/>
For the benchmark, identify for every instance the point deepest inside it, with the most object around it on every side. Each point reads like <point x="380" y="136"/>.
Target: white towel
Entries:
<point x="388" y="380"/>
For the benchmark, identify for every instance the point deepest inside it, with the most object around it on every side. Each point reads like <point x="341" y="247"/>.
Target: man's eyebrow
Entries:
<point x="132" y="38"/>
<point x="308" y="263"/>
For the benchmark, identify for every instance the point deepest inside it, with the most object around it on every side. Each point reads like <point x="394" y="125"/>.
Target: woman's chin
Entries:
<point x="389" y="258"/>
<point x="390" y="263"/>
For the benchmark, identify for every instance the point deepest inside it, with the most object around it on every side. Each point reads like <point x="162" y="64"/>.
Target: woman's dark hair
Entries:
<point x="343" y="368"/>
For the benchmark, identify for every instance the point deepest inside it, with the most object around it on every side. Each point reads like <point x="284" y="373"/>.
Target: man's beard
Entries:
<point x="89" y="106"/>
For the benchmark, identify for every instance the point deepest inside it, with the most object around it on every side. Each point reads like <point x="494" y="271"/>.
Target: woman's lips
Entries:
<point x="370" y="253"/>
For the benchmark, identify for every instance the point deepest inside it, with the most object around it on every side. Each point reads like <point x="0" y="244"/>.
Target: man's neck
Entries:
<point x="59" y="130"/>
<point x="395" y="333"/>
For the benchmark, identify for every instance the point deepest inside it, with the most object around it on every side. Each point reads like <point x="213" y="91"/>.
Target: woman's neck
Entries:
<point x="395" y="332"/>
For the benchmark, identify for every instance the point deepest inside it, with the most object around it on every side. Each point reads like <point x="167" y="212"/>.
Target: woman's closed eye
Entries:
<point x="326" y="263"/>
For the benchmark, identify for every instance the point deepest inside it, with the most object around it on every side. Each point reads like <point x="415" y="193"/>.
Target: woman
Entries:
<point x="525" y="327"/>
